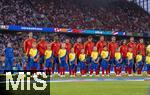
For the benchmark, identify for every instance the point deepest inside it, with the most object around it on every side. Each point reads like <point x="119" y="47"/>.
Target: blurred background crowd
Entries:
<point x="119" y="15"/>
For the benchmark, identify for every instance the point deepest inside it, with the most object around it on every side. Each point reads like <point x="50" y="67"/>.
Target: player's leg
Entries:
<point x="88" y="66"/>
<point x="99" y="66"/>
<point x="56" y="65"/>
<point x="107" y="68"/>
<point x="82" y="67"/>
<point x="11" y="62"/>
<point x="130" y="68"/>
<point x="47" y="66"/>
<point x="139" y="68"/>
<point x="124" y="65"/>
<point x="7" y="64"/>
<point x="134" y="65"/>
<point x="74" y="69"/>
<point x="51" y="69"/>
<point x="71" y="69"/>
<point x="64" y="67"/>
<point x="41" y="62"/>
<point x="61" y="68"/>
<point x="109" y="65"/>
<point x="91" y="68"/>
<point x="116" y="68"/>
<point x="96" y="69"/>
<point x="148" y="69"/>
<point x="102" y="66"/>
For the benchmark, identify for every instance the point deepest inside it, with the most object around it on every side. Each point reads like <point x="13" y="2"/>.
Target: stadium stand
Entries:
<point x="119" y="15"/>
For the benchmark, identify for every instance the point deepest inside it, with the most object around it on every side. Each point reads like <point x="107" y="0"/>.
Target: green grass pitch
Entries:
<point x="100" y="88"/>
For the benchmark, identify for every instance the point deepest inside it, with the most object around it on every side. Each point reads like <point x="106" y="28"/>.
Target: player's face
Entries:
<point x="30" y="35"/>
<point x="90" y="39"/>
<point x="141" y="40"/>
<point x="102" y="38"/>
<point x="113" y="39"/>
<point x="43" y="38"/>
<point x="34" y="45"/>
<point x="79" y="40"/>
<point x="130" y="49"/>
<point x="67" y="41"/>
<point x="82" y="51"/>
<point x="124" y="42"/>
<point x="48" y="47"/>
<point x="105" y="48"/>
<point x="72" y="50"/>
<point x="63" y="45"/>
<point x="9" y="45"/>
<point x="131" y="39"/>
<point x="56" y="40"/>
<point x="117" y="50"/>
<point x="95" y="49"/>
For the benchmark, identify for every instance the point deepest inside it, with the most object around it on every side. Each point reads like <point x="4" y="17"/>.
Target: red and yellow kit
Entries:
<point x="77" y="48"/>
<point x="42" y="46"/>
<point x="100" y="45"/>
<point x="68" y="47"/>
<point x="55" y="46"/>
<point x="117" y="56"/>
<point x="88" y="46"/>
<point x="112" y="48"/>
<point x="141" y="48"/>
<point x="132" y="45"/>
<point x="94" y="55"/>
<point x="124" y="50"/>
<point x="28" y="45"/>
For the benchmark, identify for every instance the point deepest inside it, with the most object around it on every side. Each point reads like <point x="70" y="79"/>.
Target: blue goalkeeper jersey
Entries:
<point x="9" y="52"/>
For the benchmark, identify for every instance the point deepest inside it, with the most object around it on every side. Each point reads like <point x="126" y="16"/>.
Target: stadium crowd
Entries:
<point x="120" y="15"/>
<point x="14" y="12"/>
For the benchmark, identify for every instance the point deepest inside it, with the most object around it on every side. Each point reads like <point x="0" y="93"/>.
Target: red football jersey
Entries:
<point x="42" y="46"/>
<point x="88" y="46"/>
<point x="28" y="45"/>
<point x="124" y="50"/>
<point x="68" y="47"/>
<point x="112" y="46"/>
<point x="77" y="48"/>
<point x="100" y="45"/>
<point x="55" y="46"/>
<point x="132" y="45"/>
<point x="141" y="48"/>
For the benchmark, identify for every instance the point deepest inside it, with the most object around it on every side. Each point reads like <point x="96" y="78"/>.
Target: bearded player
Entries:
<point x="68" y="48"/>
<point x="123" y="51"/>
<point x="42" y="46"/>
<point x="133" y="47"/>
<point x="55" y="46"/>
<point x="88" y="46"/>
<point x="78" y="46"/>
<point x="141" y="48"/>
<point x="27" y="46"/>
<point x="100" y="45"/>
<point x="112" y="46"/>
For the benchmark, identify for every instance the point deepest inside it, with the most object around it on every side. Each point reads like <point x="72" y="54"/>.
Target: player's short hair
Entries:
<point x="89" y="37"/>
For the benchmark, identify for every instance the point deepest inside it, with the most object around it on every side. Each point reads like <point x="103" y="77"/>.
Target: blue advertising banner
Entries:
<point x="69" y="30"/>
<point x="24" y="28"/>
